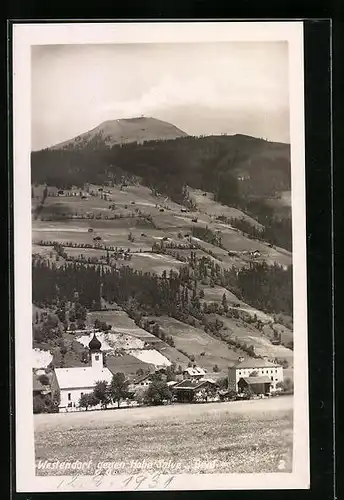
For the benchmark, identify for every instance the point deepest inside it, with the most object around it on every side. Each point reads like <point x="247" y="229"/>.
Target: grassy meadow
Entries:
<point x="239" y="437"/>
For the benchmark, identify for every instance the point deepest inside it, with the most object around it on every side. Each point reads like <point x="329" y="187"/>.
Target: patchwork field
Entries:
<point x="121" y="322"/>
<point x="167" y="216"/>
<point x="207" y="351"/>
<point x="236" y="329"/>
<point x="215" y="294"/>
<point x="173" y="223"/>
<point x="238" y="437"/>
<point x="207" y="205"/>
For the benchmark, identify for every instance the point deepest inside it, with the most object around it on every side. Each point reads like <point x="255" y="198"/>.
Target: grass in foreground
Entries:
<point x="238" y="443"/>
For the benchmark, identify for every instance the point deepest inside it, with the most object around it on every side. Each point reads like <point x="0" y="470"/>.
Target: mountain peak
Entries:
<point x="124" y="130"/>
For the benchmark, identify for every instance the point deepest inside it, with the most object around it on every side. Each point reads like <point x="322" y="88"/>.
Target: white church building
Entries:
<point x="72" y="383"/>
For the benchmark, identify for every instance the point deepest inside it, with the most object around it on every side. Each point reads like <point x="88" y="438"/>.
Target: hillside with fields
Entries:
<point x="176" y="249"/>
<point x="164" y="296"/>
<point x="238" y="174"/>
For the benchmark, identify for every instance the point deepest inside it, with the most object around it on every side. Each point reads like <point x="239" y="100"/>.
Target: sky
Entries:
<point x="202" y="88"/>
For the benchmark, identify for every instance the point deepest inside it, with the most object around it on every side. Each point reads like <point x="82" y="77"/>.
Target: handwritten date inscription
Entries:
<point x="132" y="482"/>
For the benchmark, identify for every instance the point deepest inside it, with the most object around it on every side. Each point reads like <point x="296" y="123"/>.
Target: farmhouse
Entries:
<point x="187" y="391"/>
<point x="259" y="370"/>
<point x="194" y="373"/>
<point x="258" y="385"/>
<point x="72" y="383"/>
<point x="146" y="379"/>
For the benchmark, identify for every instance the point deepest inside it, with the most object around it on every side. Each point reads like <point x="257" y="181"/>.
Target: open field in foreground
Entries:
<point x="237" y="437"/>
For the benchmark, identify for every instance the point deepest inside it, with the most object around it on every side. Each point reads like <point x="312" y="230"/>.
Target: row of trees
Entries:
<point x="206" y="234"/>
<point x="265" y="287"/>
<point x="105" y="393"/>
<point x="118" y="390"/>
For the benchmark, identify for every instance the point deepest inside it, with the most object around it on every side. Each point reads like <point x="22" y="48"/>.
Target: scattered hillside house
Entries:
<point x="189" y="390"/>
<point x="257" y="369"/>
<point x="194" y="373"/>
<point x="244" y="177"/>
<point x="72" y="383"/>
<point x="257" y="385"/>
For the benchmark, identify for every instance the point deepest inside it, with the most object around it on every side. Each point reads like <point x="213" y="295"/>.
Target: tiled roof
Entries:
<point x="74" y="378"/>
<point x="255" y="363"/>
<point x="256" y="380"/>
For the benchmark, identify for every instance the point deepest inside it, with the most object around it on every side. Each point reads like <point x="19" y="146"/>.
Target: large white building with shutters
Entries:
<point x="257" y="369"/>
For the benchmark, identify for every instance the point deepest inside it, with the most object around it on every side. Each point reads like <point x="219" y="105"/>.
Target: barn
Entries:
<point x="257" y="385"/>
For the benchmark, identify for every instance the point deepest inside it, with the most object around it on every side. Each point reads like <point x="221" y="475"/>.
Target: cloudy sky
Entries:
<point x="205" y="89"/>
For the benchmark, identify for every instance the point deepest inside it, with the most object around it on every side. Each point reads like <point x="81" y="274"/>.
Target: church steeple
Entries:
<point x="96" y="354"/>
<point x="94" y="344"/>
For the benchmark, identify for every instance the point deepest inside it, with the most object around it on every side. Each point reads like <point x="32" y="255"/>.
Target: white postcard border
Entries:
<point x="25" y="35"/>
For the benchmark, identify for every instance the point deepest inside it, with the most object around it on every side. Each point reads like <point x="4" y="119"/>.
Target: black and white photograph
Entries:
<point x="160" y="256"/>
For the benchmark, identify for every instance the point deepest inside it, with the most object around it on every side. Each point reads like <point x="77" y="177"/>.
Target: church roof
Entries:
<point x="94" y="344"/>
<point x="75" y="378"/>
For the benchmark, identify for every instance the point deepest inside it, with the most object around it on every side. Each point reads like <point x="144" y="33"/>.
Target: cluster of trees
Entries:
<point x="118" y="390"/>
<point x="206" y="234"/>
<point x="46" y="403"/>
<point x="47" y="328"/>
<point x="265" y="287"/>
<point x="104" y="393"/>
<point x="66" y="315"/>
<point x="287" y="386"/>
<point x="101" y="325"/>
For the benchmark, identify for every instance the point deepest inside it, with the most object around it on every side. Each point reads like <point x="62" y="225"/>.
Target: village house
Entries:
<point x="260" y="375"/>
<point x="189" y="390"/>
<point x="72" y="383"/>
<point x="257" y="385"/>
<point x="143" y="381"/>
<point x="194" y="373"/>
